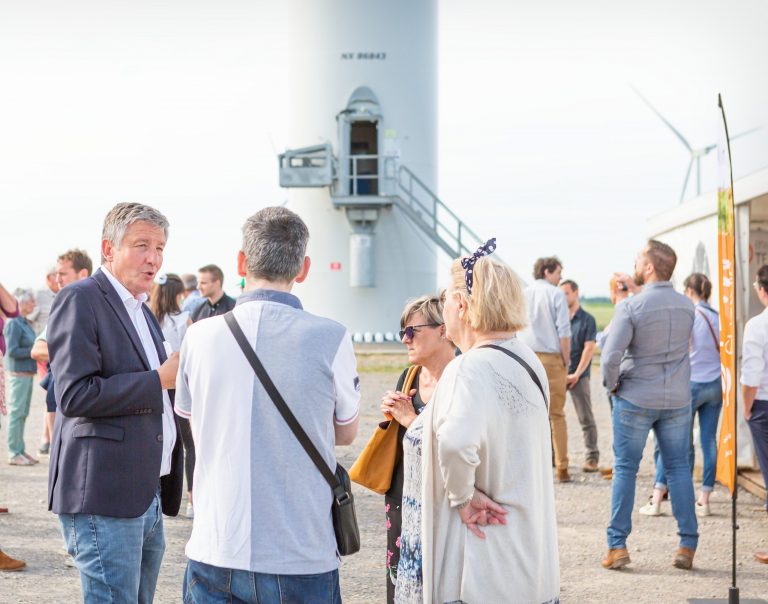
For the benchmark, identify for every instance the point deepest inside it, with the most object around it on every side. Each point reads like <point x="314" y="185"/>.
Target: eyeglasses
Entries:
<point x="412" y="330"/>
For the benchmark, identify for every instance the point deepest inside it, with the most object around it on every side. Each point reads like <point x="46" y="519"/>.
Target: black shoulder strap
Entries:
<point x="525" y="365"/>
<point x="282" y="407"/>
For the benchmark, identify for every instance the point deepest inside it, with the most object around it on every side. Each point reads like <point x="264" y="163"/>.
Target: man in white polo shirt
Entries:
<point x="263" y="530"/>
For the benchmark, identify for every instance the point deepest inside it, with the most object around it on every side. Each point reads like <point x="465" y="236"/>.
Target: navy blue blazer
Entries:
<point x="107" y="443"/>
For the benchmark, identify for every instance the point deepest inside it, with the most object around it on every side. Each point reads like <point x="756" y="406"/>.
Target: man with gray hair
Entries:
<point x="255" y="537"/>
<point x="116" y="464"/>
<point x="192" y="296"/>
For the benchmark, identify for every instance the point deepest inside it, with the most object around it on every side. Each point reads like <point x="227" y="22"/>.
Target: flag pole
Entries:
<point x="733" y="591"/>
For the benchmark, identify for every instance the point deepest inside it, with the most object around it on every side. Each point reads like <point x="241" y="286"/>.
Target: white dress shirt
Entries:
<point x="754" y="355"/>
<point x="133" y="305"/>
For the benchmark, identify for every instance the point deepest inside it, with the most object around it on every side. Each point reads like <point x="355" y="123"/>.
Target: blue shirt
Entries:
<point x="645" y="360"/>
<point x="705" y="340"/>
<point x="19" y="337"/>
<point x="548" y="316"/>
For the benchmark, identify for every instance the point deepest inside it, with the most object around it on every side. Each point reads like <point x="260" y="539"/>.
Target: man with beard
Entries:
<point x="647" y="369"/>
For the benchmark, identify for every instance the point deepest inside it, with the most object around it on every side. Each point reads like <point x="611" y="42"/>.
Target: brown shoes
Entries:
<point x="590" y="466"/>
<point x="761" y="557"/>
<point x="616" y="559"/>
<point x="3" y="510"/>
<point x="684" y="558"/>
<point x="9" y="564"/>
<point x="564" y="476"/>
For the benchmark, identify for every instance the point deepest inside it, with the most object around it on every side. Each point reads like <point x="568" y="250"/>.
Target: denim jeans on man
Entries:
<point x="206" y="584"/>
<point x="707" y="401"/>
<point x="631" y="425"/>
<point x="118" y="558"/>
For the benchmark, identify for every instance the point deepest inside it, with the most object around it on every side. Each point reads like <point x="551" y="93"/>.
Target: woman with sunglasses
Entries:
<point x="478" y="500"/>
<point x="423" y="333"/>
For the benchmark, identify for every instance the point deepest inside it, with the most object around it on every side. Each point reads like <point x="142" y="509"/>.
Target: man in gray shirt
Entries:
<point x="549" y="336"/>
<point x="646" y="368"/>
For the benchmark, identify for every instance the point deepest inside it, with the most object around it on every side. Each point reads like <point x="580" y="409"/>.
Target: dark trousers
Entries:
<point x="394" y="518"/>
<point x="189" y="450"/>
<point x="758" y="426"/>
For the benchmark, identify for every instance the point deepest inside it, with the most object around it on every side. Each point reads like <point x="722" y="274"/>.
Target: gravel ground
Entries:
<point x="31" y="533"/>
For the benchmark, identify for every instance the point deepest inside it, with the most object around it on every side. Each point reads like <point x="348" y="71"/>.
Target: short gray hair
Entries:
<point x="274" y="243"/>
<point x="24" y="295"/>
<point x="124" y="215"/>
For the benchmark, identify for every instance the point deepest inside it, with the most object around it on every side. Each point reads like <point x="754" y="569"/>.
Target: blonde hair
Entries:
<point x="429" y="306"/>
<point x="497" y="302"/>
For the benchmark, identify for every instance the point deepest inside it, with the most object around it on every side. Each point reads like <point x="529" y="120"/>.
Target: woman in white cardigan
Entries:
<point x="478" y="501"/>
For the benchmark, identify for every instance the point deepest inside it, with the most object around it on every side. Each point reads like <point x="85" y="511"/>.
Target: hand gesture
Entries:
<point x="399" y="406"/>
<point x="572" y="379"/>
<point x="482" y="511"/>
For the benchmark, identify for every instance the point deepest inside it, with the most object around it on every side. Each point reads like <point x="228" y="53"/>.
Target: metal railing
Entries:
<point x="424" y="207"/>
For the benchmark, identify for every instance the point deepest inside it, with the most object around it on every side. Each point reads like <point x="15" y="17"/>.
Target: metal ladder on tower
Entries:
<point x="432" y="216"/>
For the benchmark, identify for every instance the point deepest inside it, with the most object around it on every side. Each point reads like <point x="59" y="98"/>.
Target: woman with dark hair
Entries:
<point x="165" y="303"/>
<point x="706" y="394"/>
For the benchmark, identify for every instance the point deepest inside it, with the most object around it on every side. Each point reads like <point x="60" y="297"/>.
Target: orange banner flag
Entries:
<point x="726" y="254"/>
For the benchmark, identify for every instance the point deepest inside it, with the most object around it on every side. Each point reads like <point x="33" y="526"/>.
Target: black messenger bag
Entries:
<point x="343" y="507"/>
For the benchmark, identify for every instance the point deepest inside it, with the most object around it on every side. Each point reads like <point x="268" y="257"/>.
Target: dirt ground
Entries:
<point x="31" y="533"/>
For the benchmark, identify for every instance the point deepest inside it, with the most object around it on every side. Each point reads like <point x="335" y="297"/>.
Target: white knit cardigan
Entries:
<point x="487" y="427"/>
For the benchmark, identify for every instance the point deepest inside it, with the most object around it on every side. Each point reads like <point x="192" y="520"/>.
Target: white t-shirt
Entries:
<point x="261" y="505"/>
<point x="174" y="328"/>
<point x="754" y="355"/>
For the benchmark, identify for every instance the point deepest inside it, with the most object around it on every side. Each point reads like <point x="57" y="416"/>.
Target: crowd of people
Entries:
<point x="152" y="376"/>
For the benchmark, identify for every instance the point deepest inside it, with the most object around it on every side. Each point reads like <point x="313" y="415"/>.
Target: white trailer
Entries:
<point x="691" y="230"/>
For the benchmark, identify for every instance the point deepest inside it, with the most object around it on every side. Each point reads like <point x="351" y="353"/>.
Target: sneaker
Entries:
<point x="44" y="449"/>
<point x="651" y="509"/>
<point x="190" y="511"/>
<point x="702" y="510"/>
<point x="31" y="459"/>
<point x="19" y="460"/>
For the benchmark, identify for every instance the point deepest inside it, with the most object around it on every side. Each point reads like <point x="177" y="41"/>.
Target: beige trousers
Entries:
<point x="557" y="375"/>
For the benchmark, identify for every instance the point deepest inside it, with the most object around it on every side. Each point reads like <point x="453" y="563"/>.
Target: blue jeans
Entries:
<point x="118" y="558"/>
<point x="672" y="427"/>
<point x="707" y="401"/>
<point x="206" y="584"/>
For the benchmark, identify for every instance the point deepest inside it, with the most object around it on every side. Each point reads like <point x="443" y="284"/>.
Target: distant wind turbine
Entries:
<point x="696" y="154"/>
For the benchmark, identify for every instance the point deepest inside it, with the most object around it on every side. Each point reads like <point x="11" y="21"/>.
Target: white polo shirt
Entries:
<point x="754" y="355"/>
<point x="133" y="305"/>
<point x="261" y="505"/>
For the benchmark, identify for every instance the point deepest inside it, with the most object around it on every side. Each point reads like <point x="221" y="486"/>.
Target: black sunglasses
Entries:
<point x="411" y="330"/>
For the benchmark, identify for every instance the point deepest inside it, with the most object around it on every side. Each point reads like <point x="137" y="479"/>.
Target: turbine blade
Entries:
<point x="685" y="182"/>
<point x="709" y="148"/>
<point x="663" y="119"/>
<point x="745" y="132"/>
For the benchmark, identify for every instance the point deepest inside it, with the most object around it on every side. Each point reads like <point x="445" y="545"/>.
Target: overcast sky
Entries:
<point x="542" y="141"/>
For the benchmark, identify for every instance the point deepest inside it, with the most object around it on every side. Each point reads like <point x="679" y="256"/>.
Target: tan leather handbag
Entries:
<point x="374" y="467"/>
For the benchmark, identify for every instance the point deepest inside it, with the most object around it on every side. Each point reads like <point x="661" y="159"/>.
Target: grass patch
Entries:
<point x="602" y="311"/>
